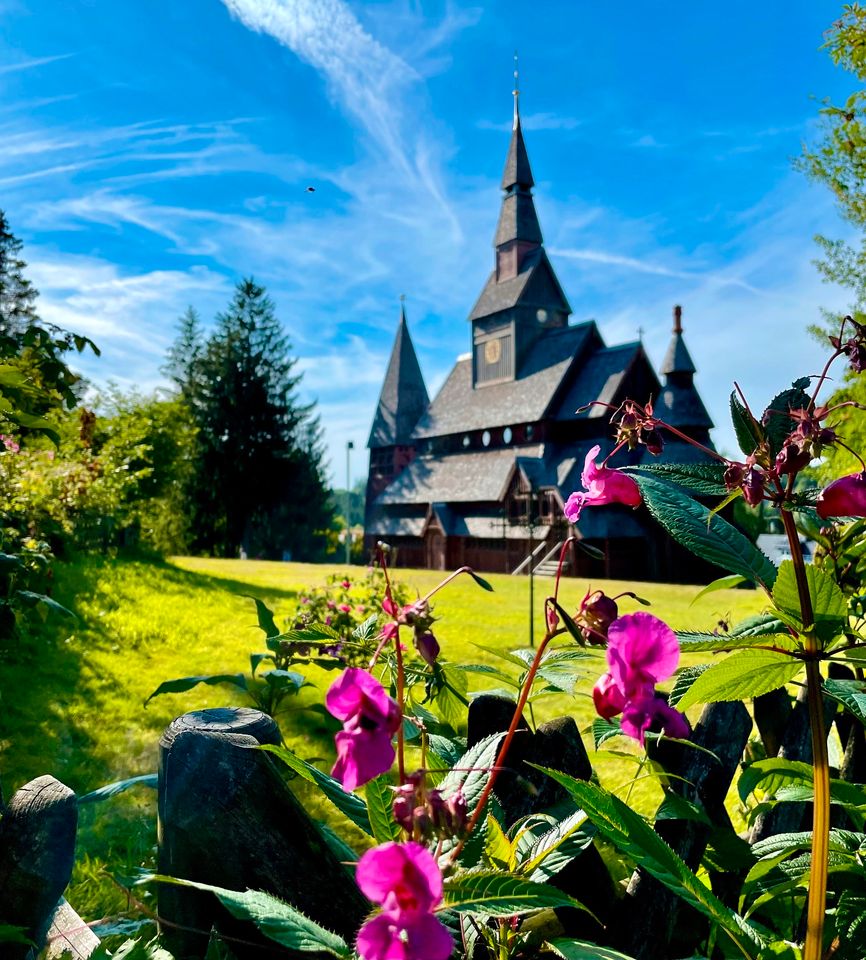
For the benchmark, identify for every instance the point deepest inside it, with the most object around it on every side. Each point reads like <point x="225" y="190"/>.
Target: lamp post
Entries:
<point x="349" y="447"/>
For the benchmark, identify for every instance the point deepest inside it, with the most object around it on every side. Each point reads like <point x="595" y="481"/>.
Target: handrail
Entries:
<point x="529" y="558"/>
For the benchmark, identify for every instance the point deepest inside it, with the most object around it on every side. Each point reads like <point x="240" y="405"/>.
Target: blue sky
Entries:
<point x="151" y="153"/>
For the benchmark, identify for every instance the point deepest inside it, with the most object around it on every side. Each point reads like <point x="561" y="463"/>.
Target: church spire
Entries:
<point x="518" y="221"/>
<point x="404" y="397"/>
<point x="679" y="403"/>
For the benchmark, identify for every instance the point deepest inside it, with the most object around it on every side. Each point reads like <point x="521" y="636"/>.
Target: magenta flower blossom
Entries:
<point x="370" y="718"/>
<point x="845" y="497"/>
<point x="602" y="486"/>
<point x="404" y="879"/>
<point x="641" y="652"/>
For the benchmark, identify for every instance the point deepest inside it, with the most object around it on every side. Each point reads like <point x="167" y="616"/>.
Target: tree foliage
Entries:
<point x="838" y="161"/>
<point x="257" y="480"/>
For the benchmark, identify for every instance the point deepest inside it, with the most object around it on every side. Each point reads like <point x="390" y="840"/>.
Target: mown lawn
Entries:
<point x="73" y="706"/>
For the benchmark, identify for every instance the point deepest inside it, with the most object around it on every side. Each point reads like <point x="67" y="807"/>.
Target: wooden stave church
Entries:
<point x="480" y="474"/>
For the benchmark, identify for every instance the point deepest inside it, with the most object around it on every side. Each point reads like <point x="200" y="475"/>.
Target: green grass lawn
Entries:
<point x="73" y="707"/>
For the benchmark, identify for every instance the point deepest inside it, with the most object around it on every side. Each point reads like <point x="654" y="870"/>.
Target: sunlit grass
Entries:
<point x="74" y="707"/>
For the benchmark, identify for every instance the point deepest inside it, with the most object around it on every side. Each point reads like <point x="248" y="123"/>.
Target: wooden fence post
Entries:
<point x="37" y="849"/>
<point x="648" y="915"/>
<point x="228" y="818"/>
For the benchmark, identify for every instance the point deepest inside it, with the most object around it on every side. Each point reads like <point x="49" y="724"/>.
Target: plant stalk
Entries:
<point x="817" y="905"/>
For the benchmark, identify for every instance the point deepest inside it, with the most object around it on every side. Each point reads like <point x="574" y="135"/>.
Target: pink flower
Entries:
<point x="345" y="584"/>
<point x="370" y="718"/>
<point x="602" y="486"/>
<point x="404" y="879"/>
<point x="344" y="608"/>
<point x="845" y="497"/>
<point x="641" y="652"/>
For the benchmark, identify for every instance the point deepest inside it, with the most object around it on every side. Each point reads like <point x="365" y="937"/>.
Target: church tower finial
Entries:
<point x="516" y="91"/>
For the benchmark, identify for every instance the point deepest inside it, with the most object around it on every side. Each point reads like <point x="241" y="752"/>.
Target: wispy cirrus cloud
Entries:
<point x="534" y="121"/>
<point x="32" y="63"/>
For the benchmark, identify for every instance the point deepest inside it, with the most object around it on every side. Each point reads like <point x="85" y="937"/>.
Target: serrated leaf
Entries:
<point x="675" y="807"/>
<point x="277" y="920"/>
<point x="501" y="894"/>
<point x="851" y="694"/>
<point x="746" y="673"/>
<point x="284" y="678"/>
<point x="472" y="771"/>
<point x="580" y="950"/>
<point x="775" y="774"/>
<point x="694" y="642"/>
<point x="265" y="617"/>
<point x="497" y="846"/>
<point x="500" y="654"/>
<point x="120" y="786"/>
<point x="707" y="477"/>
<point x="723" y="583"/>
<point x="380" y="801"/>
<point x="749" y="432"/>
<point x="684" y="681"/>
<point x="709" y="537"/>
<point x="557" y="847"/>
<point x="604" y="730"/>
<point x="829" y="607"/>
<point x="619" y="824"/>
<point x="349" y="804"/>
<point x="182" y="684"/>
<point x="777" y="420"/>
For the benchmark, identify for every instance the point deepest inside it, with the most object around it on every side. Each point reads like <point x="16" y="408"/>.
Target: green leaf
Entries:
<point x="501" y="894"/>
<point x="717" y="642"/>
<point x="749" y="432"/>
<point x="497" y="846"/>
<point x="675" y="807"/>
<point x="685" y="678"/>
<point x="710" y="537"/>
<point x="10" y="561"/>
<point x="284" y="678"/>
<point x="113" y="789"/>
<point x="277" y="920"/>
<point x="580" y="950"/>
<point x="777" y="421"/>
<point x="257" y="659"/>
<point x="723" y="583"/>
<point x="776" y="773"/>
<point x="746" y="673"/>
<point x="603" y="730"/>
<point x="569" y="624"/>
<point x="380" y="800"/>
<point x="182" y="684"/>
<point x="472" y="771"/>
<point x="829" y="606"/>
<point x="557" y="847"/>
<point x="480" y="581"/>
<point x="10" y="934"/>
<point x="266" y="618"/>
<point x="851" y="694"/>
<point x="619" y="824"/>
<point x="349" y="804"/>
<point x="31" y="599"/>
<point x="707" y="477"/>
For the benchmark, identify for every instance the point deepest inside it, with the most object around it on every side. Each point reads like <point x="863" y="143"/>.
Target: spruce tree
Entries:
<point x="258" y="480"/>
<point x="17" y="293"/>
<point x="185" y="353"/>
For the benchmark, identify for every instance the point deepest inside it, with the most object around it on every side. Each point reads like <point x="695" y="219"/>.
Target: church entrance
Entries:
<point x="435" y="550"/>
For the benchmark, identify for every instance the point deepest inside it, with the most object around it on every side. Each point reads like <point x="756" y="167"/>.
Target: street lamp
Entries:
<point x="349" y="447"/>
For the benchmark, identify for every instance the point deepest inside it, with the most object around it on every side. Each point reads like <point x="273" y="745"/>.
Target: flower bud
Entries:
<point x="845" y="497"/>
<point x="753" y="486"/>
<point x="457" y="808"/>
<point x="402" y="811"/>
<point x="607" y="697"/>
<point x="597" y="612"/>
<point x="427" y="646"/>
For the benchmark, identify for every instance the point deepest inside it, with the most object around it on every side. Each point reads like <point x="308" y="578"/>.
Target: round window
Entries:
<point x="485" y="438"/>
<point x="530" y="431"/>
<point x="506" y="435"/>
<point x="466" y="440"/>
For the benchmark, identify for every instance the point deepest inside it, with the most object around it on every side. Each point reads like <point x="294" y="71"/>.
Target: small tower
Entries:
<point x="402" y="402"/>
<point x="522" y="296"/>
<point x="679" y="402"/>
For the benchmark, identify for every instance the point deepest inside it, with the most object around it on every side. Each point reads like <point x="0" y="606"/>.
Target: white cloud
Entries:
<point x="533" y="121"/>
<point x="32" y="63"/>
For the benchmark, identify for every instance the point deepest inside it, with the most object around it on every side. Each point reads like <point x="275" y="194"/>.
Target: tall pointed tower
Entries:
<point x="402" y="402"/>
<point x="679" y="402"/>
<point x="522" y="296"/>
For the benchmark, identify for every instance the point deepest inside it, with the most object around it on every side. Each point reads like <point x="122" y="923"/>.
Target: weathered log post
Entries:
<point x="522" y="789"/>
<point x="37" y="850"/>
<point x="228" y="818"/>
<point x="645" y="919"/>
<point x="69" y="937"/>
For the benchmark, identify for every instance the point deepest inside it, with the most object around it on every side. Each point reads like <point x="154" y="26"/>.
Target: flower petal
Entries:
<point x="641" y="647"/>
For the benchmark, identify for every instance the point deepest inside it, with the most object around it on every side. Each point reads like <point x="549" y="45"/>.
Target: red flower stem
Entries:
<point x="690" y="440"/>
<point x="817" y="904"/>
<point x="565" y="546"/>
<point x="823" y="375"/>
<point x="401" y="698"/>
<point x="445" y="582"/>
<point x="506" y="744"/>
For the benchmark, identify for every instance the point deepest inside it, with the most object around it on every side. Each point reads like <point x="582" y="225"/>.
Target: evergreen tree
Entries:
<point x="185" y="353"/>
<point x="17" y="293"/>
<point x="258" y="480"/>
<point x="838" y="161"/>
